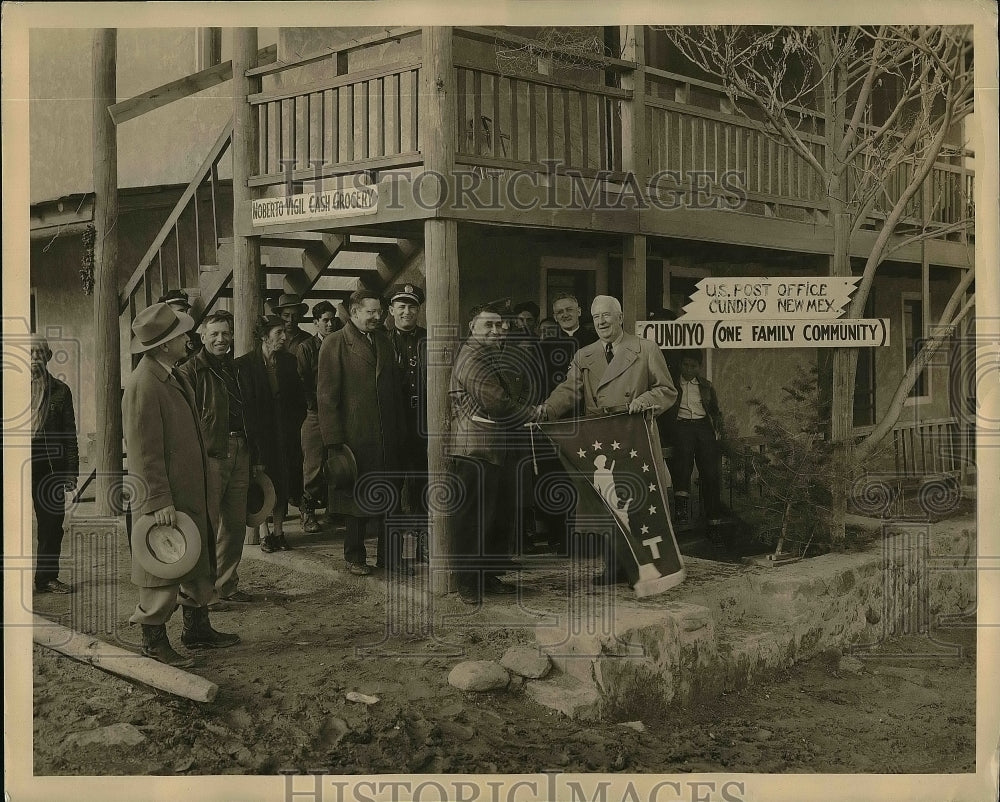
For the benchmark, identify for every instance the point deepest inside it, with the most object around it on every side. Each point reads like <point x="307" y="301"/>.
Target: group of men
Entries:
<point x="190" y="437"/>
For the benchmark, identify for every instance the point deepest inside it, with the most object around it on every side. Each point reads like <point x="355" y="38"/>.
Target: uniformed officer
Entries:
<point x="409" y="343"/>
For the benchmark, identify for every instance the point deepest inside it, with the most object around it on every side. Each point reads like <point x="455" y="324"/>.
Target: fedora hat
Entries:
<point x="260" y="499"/>
<point x="167" y="552"/>
<point x="288" y="300"/>
<point x="156" y="324"/>
<point x="341" y="468"/>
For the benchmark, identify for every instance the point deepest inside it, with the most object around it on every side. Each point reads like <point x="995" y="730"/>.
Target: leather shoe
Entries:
<point x="497" y="586"/>
<point x="269" y="544"/>
<point x="469" y="595"/>
<point x="282" y="543"/>
<point x="54" y="586"/>
<point x="358" y="569"/>
<point x="309" y="523"/>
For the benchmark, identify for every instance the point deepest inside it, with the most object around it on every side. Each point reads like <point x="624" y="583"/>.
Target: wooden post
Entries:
<point x="635" y="153"/>
<point x="248" y="278"/>
<point x="438" y="135"/>
<point x="634" y="280"/>
<point x="107" y="340"/>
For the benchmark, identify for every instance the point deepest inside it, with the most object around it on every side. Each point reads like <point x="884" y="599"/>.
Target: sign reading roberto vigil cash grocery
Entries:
<point x="684" y="333"/>
<point x="327" y="205"/>
<point x="773" y="298"/>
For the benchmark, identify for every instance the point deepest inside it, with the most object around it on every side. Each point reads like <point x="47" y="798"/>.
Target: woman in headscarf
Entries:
<point x="275" y="394"/>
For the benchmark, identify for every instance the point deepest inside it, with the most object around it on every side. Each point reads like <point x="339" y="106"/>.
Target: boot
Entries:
<point x="198" y="632"/>
<point x="156" y="646"/>
<point x="681" y="509"/>
<point x="309" y="522"/>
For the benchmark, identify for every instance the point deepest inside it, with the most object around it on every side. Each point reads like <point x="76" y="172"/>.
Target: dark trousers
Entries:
<point x="313" y="475"/>
<point x="482" y="519"/>
<point x="695" y="442"/>
<point x="555" y="498"/>
<point x="48" y="498"/>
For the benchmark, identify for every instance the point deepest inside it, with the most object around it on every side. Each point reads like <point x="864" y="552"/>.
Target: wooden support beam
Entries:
<point x="107" y="337"/>
<point x="438" y="135"/>
<point x="95" y="652"/>
<point x="248" y="278"/>
<point x="184" y="87"/>
<point x="634" y="303"/>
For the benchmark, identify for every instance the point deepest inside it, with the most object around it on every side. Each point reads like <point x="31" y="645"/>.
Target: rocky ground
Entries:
<point x="309" y="639"/>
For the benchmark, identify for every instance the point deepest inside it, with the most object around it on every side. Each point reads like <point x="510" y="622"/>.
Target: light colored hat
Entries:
<point x="157" y="324"/>
<point x="288" y="300"/>
<point x="260" y="499"/>
<point x="341" y="468"/>
<point x="167" y="552"/>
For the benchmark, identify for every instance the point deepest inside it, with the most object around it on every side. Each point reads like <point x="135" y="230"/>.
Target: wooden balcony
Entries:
<point x="565" y="126"/>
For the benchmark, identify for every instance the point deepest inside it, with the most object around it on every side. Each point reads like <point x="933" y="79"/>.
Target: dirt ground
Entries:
<point x="309" y="639"/>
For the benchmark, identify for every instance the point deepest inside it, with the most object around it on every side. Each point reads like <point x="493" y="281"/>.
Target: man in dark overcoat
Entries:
<point x="486" y="412"/>
<point x="166" y="453"/>
<point x="307" y="357"/>
<point x="409" y="343"/>
<point x="55" y="463"/>
<point x="358" y="392"/>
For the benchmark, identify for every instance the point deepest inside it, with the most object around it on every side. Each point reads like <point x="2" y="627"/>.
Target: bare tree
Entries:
<point x="890" y="99"/>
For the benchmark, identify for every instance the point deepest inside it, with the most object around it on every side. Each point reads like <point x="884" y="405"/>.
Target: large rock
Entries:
<point x="478" y="675"/>
<point x="113" y="735"/>
<point x="526" y="662"/>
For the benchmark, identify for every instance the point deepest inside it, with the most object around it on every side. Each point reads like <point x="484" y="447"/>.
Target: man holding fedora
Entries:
<point x="361" y="413"/>
<point x="166" y="453"/>
<point x="409" y="344"/>
<point x="230" y="446"/>
<point x="314" y="489"/>
<point x="290" y="308"/>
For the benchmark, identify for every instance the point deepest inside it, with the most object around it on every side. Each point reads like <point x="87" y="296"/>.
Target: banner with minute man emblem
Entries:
<point x="618" y="457"/>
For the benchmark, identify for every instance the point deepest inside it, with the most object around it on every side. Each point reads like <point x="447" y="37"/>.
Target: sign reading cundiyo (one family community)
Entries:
<point x="757" y="312"/>
<point x="327" y="205"/>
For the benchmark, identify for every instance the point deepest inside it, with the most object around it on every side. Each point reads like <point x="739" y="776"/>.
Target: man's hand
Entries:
<point x="69" y="483"/>
<point x="641" y="405"/>
<point x="541" y="414"/>
<point x="167" y="516"/>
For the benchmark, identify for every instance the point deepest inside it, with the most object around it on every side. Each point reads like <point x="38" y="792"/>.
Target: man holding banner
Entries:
<point x="617" y="455"/>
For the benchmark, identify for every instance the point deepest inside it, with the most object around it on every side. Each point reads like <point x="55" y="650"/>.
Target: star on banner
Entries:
<point x="616" y="445"/>
<point x="645" y="468"/>
<point x="597" y="446"/>
<point x="581" y="453"/>
<point x="633" y="453"/>
<point x="652" y="510"/>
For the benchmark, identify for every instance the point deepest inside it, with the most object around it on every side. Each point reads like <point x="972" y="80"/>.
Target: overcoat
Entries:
<point x="638" y="371"/>
<point x="166" y="454"/>
<point x="359" y="394"/>
<point x="276" y="420"/>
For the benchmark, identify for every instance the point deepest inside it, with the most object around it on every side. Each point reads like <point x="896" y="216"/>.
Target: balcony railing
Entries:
<point x="369" y="120"/>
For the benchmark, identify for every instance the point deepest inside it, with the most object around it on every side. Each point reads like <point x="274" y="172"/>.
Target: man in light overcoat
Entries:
<point x="620" y="372"/>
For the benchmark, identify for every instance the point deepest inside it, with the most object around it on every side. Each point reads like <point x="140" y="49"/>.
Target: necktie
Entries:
<point x="609" y="354"/>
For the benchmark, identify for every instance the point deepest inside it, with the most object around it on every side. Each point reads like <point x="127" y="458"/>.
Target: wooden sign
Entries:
<point x="802" y="298"/>
<point x="821" y="333"/>
<point x="308" y="206"/>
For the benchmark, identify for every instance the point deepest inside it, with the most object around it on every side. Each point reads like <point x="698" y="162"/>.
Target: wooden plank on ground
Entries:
<point x="93" y="651"/>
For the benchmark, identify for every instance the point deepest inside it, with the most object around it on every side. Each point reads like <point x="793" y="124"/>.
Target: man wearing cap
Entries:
<point x="409" y="343"/>
<point x="289" y="307"/>
<point x="166" y="453"/>
<point x="485" y="410"/>
<point x="361" y="411"/>
<point x="178" y="300"/>
<point x="55" y="463"/>
<point x="231" y="450"/>
<point x="314" y="490"/>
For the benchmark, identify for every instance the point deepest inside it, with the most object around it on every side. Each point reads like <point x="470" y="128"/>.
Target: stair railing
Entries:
<point x="164" y="268"/>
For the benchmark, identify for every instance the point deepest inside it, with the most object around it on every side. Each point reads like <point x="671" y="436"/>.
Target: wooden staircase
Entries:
<point x="193" y="251"/>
